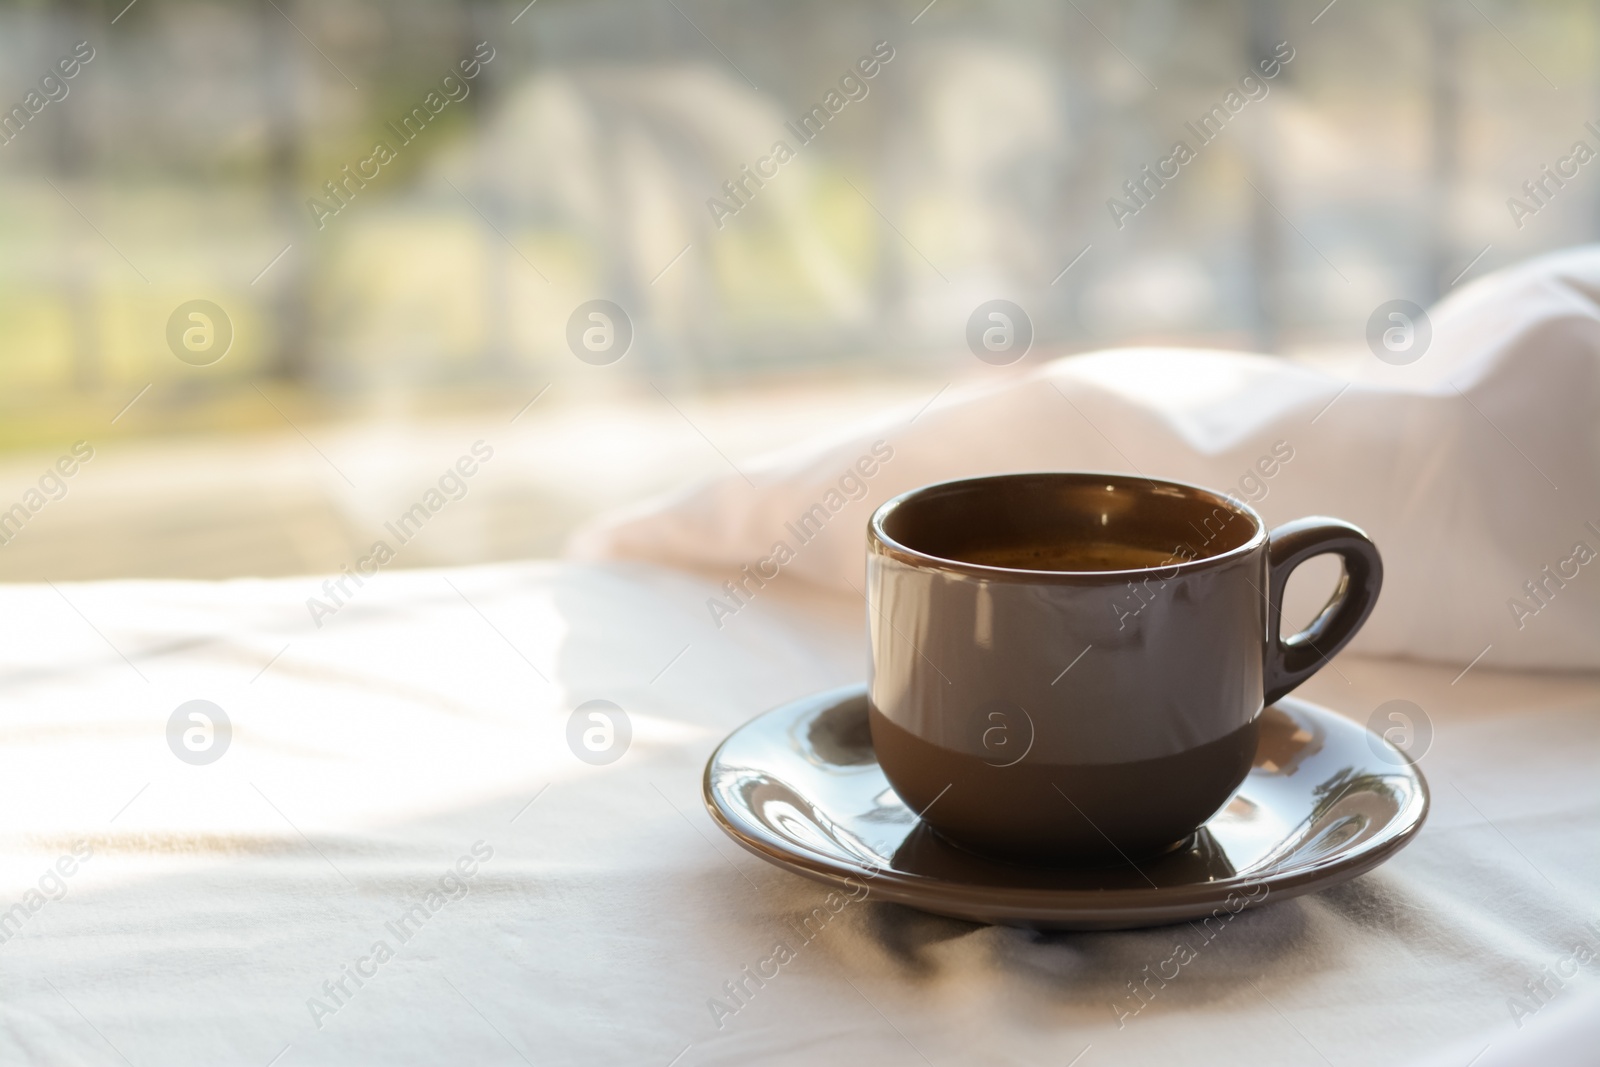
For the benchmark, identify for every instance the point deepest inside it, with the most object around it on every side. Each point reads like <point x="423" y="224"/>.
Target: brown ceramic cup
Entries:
<point x="1060" y="716"/>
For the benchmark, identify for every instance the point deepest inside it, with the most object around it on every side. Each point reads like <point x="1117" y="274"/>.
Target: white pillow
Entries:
<point x="1476" y="469"/>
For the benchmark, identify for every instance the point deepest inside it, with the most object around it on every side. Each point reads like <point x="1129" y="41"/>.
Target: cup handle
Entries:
<point x="1292" y="660"/>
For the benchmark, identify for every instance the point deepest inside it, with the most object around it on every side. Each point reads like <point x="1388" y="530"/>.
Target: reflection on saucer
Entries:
<point x="1199" y="859"/>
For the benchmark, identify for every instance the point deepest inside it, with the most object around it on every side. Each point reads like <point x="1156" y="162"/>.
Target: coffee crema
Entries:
<point x="1067" y="555"/>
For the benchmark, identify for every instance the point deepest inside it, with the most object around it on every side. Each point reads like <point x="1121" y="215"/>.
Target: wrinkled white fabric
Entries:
<point x="430" y="717"/>
<point x="1474" y="468"/>
<point x="1567" y="1036"/>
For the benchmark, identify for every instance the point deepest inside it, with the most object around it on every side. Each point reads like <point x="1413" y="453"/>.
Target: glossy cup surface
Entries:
<point x="1066" y="717"/>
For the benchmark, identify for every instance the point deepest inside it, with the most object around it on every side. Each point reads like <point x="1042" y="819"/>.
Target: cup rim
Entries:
<point x="880" y="541"/>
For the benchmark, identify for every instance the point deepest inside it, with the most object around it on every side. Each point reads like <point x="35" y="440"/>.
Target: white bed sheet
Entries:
<point x="373" y="753"/>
